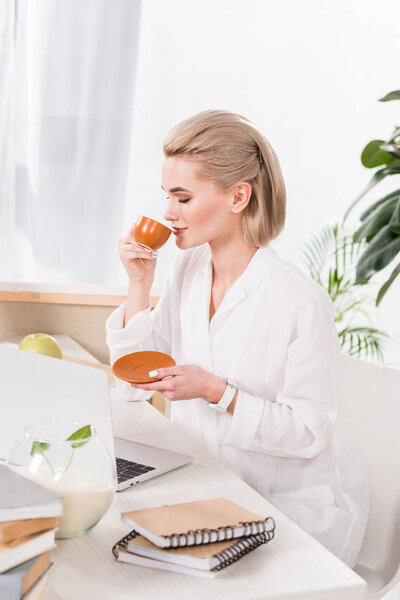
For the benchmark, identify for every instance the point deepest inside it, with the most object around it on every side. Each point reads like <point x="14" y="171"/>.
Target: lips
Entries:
<point x="177" y="230"/>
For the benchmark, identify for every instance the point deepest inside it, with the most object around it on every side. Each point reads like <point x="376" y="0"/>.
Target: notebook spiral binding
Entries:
<point x="241" y="547"/>
<point x="220" y="534"/>
<point x="123" y="543"/>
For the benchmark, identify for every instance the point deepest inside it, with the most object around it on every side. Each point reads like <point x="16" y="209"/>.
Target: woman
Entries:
<point x="250" y="333"/>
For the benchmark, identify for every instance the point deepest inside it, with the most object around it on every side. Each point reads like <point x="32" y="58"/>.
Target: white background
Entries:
<point x="308" y="73"/>
<point x="99" y="84"/>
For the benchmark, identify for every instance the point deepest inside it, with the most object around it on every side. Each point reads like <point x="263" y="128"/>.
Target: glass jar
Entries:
<point x="70" y="460"/>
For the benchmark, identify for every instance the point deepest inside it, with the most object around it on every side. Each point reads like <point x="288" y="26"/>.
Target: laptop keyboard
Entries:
<point x="127" y="469"/>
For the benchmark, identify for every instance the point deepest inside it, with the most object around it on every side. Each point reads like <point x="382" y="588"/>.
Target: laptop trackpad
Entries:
<point x="159" y="458"/>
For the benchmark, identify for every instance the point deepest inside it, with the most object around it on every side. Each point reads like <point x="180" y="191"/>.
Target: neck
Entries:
<point x="229" y="260"/>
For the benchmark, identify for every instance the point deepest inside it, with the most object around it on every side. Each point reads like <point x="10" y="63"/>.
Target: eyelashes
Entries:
<point x="182" y="200"/>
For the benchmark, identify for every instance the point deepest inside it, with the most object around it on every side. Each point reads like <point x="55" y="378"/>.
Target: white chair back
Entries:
<point x="369" y="409"/>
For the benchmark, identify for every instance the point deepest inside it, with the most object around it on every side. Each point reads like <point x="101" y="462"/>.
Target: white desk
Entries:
<point x="292" y="565"/>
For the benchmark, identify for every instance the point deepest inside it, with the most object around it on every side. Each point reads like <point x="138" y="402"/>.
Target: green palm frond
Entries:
<point x="331" y="245"/>
<point x="363" y="342"/>
<point x="331" y="256"/>
<point x="317" y="250"/>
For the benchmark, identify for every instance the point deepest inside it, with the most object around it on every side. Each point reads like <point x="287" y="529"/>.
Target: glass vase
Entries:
<point x="70" y="460"/>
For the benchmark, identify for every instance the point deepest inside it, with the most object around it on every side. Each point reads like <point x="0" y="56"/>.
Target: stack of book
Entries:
<point x="28" y="518"/>
<point x="195" y="538"/>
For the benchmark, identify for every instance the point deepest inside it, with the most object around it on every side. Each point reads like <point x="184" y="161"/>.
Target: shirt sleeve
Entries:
<point x="147" y="330"/>
<point x="300" y="420"/>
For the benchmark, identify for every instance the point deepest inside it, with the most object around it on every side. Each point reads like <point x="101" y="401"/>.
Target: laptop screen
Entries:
<point x="35" y="388"/>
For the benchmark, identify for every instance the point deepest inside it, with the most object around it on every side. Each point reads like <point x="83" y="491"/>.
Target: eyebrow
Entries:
<point x="177" y="189"/>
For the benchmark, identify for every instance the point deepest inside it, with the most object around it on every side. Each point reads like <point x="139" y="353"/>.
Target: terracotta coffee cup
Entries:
<point x="151" y="234"/>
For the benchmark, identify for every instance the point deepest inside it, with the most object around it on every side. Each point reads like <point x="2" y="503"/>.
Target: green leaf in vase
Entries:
<point x="39" y="447"/>
<point x="84" y="433"/>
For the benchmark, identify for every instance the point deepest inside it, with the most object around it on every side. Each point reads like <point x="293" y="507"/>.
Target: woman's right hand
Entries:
<point x="140" y="264"/>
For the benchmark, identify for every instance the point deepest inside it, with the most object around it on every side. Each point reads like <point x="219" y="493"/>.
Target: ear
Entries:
<point x="241" y="197"/>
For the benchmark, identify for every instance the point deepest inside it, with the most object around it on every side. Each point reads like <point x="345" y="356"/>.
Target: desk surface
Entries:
<point x="292" y="566"/>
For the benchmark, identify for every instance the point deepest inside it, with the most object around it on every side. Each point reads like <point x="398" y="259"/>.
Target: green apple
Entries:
<point x="41" y="343"/>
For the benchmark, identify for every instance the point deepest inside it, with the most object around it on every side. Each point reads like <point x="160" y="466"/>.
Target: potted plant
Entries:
<point x="380" y="226"/>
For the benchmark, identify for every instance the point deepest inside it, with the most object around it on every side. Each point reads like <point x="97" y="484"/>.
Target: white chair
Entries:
<point x="369" y="409"/>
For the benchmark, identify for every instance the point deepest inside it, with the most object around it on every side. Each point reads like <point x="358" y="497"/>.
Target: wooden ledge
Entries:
<point x="66" y="298"/>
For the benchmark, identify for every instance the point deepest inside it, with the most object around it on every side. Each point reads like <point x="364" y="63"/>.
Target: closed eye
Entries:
<point x="180" y="199"/>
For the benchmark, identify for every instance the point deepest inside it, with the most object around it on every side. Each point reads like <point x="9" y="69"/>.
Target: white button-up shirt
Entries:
<point x="274" y="334"/>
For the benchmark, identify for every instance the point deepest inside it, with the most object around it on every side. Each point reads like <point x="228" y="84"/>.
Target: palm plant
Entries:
<point x="331" y="256"/>
<point x="380" y="222"/>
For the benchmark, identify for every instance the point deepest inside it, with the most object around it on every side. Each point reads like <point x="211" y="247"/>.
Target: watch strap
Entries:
<point x="226" y="398"/>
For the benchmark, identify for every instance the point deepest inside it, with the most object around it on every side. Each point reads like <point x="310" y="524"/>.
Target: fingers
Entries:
<point x="136" y="248"/>
<point x="128" y="242"/>
<point x="133" y="250"/>
<point x="156" y="386"/>
<point x="131" y="244"/>
<point x="168" y="372"/>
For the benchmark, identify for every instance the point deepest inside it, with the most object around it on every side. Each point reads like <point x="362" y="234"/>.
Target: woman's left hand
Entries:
<point x="185" y="382"/>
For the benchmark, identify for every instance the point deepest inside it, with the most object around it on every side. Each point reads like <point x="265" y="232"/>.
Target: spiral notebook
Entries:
<point x="194" y="523"/>
<point x="202" y="561"/>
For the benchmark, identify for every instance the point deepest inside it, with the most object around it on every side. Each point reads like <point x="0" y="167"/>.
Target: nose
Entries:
<point x="171" y="213"/>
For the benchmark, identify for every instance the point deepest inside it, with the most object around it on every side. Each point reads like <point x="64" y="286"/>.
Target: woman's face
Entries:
<point x="198" y="210"/>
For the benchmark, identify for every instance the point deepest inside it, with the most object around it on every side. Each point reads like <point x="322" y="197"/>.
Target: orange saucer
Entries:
<point x="135" y="367"/>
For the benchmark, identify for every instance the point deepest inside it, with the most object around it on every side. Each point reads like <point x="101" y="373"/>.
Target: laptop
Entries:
<point x="36" y="388"/>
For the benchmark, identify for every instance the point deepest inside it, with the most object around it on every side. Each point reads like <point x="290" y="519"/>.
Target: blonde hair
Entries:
<point x="230" y="149"/>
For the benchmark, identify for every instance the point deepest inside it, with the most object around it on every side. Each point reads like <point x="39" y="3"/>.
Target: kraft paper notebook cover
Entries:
<point x="21" y="498"/>
<point x="21" y="579"/>
<point x="193" y="523"/>
<point x="12" y="530"/>
<point x="204" y="561"/>
<point x="19" y="551"/>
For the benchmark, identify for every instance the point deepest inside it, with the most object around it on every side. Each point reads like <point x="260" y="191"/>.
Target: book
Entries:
<point x="18" y="551"/>
<point x="21" y="579"/>
<point x="13" y="530"/>
<point x="22" y="498"/>
<point x="203" y="560"/>
<point x="141" y="561"/>
<point x="193" y="523"/>
<point x="39" y="589"/>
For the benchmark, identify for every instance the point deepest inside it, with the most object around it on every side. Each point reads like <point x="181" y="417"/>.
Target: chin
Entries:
<point x="187" y="244"/>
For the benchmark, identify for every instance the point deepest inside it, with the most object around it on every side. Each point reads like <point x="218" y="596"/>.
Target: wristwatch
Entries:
<point x="226" y="398"/>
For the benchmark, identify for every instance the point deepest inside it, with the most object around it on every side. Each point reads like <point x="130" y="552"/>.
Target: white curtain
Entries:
<point x="10" y="243"/>
<point x="67" y="73"/>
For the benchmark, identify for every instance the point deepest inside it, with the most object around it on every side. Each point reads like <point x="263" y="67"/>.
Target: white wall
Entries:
<point x="307" y="73"/>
